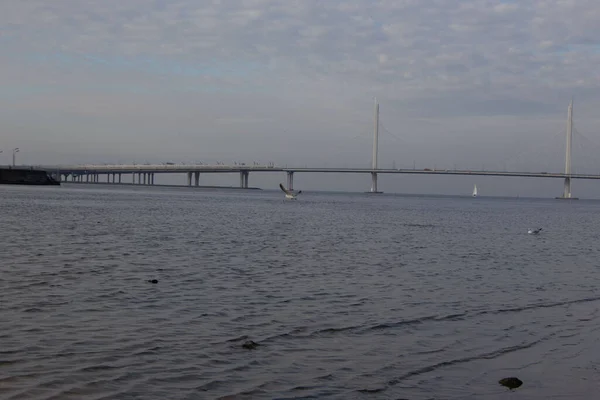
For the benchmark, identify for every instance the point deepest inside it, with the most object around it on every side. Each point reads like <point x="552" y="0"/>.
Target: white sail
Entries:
<point x="475" y="191"/>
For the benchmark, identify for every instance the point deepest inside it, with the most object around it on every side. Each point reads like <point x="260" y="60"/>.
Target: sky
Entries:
<point x="461" y="84"/>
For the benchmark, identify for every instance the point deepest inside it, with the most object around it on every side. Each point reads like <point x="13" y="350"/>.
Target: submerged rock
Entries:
<point x="511" y="383"/>
<point x="250" y="345"/>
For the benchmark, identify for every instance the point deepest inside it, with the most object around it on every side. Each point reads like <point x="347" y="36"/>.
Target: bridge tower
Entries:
<point x="375" y="150"/>
<point x="567" y="187"/>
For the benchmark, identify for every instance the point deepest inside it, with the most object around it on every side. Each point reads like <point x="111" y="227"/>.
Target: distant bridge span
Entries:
<point x="79" y="170"/>
<point x="144" y="174"/>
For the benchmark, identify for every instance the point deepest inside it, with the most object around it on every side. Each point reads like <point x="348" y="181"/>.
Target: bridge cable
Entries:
<point x="534" y="149"/>
<point x="588" y="147"/>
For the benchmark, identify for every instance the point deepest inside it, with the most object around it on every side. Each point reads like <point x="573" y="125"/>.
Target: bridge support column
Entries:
<point x="374" y="182"/>
<point x="145" y="178"/>
<point x="119" y="177"/>
<point x="139" y="178"/>
<point x="197" y="178"/>
<point x="290" y="180"/>
<point x="189" y="178"/>
<point x="152" y="178"/>
<point x="567" y="191"/>
<point x="107" y="178"/>
<point x="244" y="175"/>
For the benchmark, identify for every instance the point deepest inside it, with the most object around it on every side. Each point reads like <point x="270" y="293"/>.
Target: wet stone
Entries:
<point x="511" y="383"/>
<point x="250" y="345"/>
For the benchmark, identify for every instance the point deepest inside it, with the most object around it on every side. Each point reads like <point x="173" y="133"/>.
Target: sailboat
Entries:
<point x="475" y="191"/>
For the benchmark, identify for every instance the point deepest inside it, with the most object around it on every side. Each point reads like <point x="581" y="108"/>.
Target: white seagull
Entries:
<point x="534" y="231"/>
<point x="288" y="193"/>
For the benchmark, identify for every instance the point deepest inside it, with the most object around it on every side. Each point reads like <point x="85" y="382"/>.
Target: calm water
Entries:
<point x="347" y="296"/>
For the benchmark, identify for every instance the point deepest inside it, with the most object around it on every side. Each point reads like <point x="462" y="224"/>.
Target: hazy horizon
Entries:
<point x="483" y="84"/>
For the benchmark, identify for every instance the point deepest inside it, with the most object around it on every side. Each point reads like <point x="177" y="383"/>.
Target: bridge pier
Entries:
<point x="119" y="177"/>
<point x="567" y="191"/>
<point x="374" y="182"/>
<point x="244" y="175"/>
<point x="197" y="178"/>
<point x="290" y="180"/>
<point x="189" y="178"/>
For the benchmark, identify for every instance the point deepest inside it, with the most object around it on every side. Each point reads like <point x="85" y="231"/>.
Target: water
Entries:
<point x="347" y="296"/>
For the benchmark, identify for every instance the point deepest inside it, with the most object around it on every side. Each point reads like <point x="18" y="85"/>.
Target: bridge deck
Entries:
<point x="131" y="169"/>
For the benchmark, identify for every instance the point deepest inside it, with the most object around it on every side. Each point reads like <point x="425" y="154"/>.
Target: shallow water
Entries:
<point x="347" y="296"/>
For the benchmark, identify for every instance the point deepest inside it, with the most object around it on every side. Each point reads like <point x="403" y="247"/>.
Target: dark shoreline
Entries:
<point x="26" y="176"/>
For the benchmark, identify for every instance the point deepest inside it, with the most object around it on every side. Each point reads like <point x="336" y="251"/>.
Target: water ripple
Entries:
<point x="387" y="297"/>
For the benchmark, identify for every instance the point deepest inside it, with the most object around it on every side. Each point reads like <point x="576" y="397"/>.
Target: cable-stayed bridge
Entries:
<point x="144" y="174"/>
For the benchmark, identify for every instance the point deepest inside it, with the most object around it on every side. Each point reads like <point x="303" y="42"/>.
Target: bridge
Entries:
<point x="143" y="174"/>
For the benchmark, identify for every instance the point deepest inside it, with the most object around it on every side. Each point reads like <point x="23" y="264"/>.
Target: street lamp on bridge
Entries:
<point x="15" y="151"/>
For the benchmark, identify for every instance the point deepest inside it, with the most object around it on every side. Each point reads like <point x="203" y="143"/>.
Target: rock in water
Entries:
<point x="511" y="383"/>
<point x="250" y="345"/>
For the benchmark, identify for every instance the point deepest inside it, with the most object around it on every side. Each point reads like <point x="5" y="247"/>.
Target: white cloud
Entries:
<point x="424" y="57"/>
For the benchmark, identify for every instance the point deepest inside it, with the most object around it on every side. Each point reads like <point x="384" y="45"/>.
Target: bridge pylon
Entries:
<point x="375" y="150"/>
<point x="567" y="186"/>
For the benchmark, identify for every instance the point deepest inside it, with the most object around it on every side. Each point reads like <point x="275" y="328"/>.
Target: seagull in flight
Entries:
<point x="534" y="231"/>
<point x="288" y="193"/>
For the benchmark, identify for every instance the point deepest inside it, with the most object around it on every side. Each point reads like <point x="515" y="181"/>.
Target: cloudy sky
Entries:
<point x="466" y="84"/>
